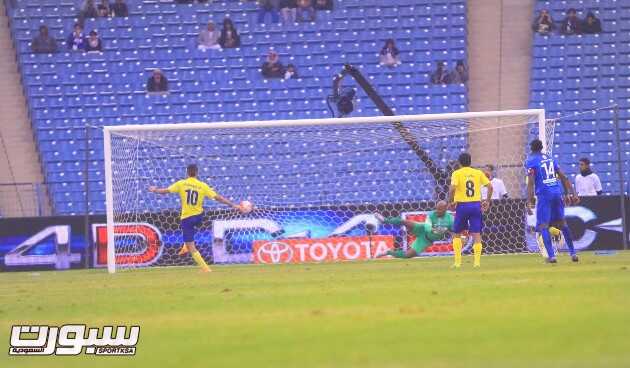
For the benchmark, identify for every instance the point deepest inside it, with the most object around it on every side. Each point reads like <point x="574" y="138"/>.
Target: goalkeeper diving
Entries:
<point x="437" y="226"/>
<point x="192" y="193"/>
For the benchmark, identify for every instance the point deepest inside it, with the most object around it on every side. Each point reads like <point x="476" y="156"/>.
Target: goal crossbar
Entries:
<point x="328" y="121"/>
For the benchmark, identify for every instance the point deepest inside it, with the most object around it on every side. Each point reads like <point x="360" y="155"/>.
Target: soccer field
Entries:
<point x="513" y="312"/>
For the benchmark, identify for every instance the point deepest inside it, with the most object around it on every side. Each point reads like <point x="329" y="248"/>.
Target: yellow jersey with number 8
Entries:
<point x="192" y="193"/>
<point x="468" y="182"/>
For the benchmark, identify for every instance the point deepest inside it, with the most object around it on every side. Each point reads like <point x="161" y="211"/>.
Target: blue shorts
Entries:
<point x="189" y="225"/>
<point x="549" y="209"/>
<point x="468" y="216"/>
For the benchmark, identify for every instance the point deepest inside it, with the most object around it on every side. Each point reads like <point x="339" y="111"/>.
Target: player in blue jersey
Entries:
<point x="545" y="180"/>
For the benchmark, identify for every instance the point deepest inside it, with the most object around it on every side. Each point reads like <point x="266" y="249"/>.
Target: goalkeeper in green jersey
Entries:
<point x="437" y="226"/>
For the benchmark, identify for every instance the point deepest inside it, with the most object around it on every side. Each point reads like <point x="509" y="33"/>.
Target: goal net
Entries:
<point x="315" y="185"/>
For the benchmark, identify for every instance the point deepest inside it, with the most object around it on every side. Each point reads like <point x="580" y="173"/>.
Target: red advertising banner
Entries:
<point x="346" y="248"/>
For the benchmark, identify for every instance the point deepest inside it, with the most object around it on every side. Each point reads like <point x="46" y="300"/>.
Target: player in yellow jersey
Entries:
<point x="192" y="193"/>
<point x="465" y="197"/>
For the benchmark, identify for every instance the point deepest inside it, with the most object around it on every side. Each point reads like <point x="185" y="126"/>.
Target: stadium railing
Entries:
<point x="23" y="200"/>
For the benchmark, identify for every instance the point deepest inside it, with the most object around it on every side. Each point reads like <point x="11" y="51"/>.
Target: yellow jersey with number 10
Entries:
<point x="468" y="182"/>
<point x="192" y="193"/>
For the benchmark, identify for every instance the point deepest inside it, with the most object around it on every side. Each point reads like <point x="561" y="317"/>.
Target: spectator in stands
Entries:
<point x="587" y="183"/>
<point x="76" y="39"/>
<point x="459" y="75"/>
<point x="305" y="11"/>
<point x="291" y="72"/>
<point x="288" y="10"/>
<point x="440" y="75"/>
<point x="88" y="10"/>
<point x="119" y="9"/>
<point x="543" y="23"/>
<point x="43" y="43"/>
<point x="268" y="7"/>
<point x="389" y="54"/>
<point x="273" y="68"/>
<point x="157" y="82"/>
<point x="93" y="42"/>
<point x="229" y="36"/>
<point x="591" y="24"/>
<point x="209" y="38"/>
<point x="323" y="4"/>
<point x="498" y="187"/>
<point x="103" y="9"/>
<point x="571" y="24"/>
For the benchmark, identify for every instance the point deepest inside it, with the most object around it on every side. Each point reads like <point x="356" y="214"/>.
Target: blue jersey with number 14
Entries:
<point x="544" y="170"/>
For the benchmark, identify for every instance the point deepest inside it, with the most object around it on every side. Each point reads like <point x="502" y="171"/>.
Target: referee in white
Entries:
<point x="587" y="182"/>
<point x="498" y="187"/>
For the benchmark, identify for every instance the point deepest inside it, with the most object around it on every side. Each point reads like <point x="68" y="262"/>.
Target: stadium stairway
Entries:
<point x="19" y="160"/>
<point x="499" y="54"/>
<point x="499" y="58"/>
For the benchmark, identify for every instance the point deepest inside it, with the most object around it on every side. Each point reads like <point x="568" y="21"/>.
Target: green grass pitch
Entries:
<point x="513" y="312"/>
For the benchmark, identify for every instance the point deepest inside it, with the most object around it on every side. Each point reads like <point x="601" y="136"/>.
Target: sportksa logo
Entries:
<point x="341" y="248"/>
<point x="71" y="340"/>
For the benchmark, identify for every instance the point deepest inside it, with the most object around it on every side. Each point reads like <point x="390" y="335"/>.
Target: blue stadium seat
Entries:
<point x="577" y="74"/>
<point x="66" y="90"/>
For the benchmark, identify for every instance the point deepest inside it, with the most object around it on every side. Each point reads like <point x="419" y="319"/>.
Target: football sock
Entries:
<point x="568" y="239"/>
<point x="457" y="251"/>
<point x="199" y="260"/>
<point x="547" y="241"/>
<point x="541" y="245"/>
<point x="477" y="254"/>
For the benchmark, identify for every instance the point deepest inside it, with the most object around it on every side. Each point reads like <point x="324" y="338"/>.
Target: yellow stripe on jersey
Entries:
<point x="468" y="182"/>
<point x="192" y="192"/>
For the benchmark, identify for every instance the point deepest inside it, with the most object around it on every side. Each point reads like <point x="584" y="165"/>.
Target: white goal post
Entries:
<point x="142" y="154"/>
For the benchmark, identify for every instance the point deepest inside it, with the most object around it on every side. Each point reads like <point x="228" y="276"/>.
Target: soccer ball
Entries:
<point x="246" y="206"/>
